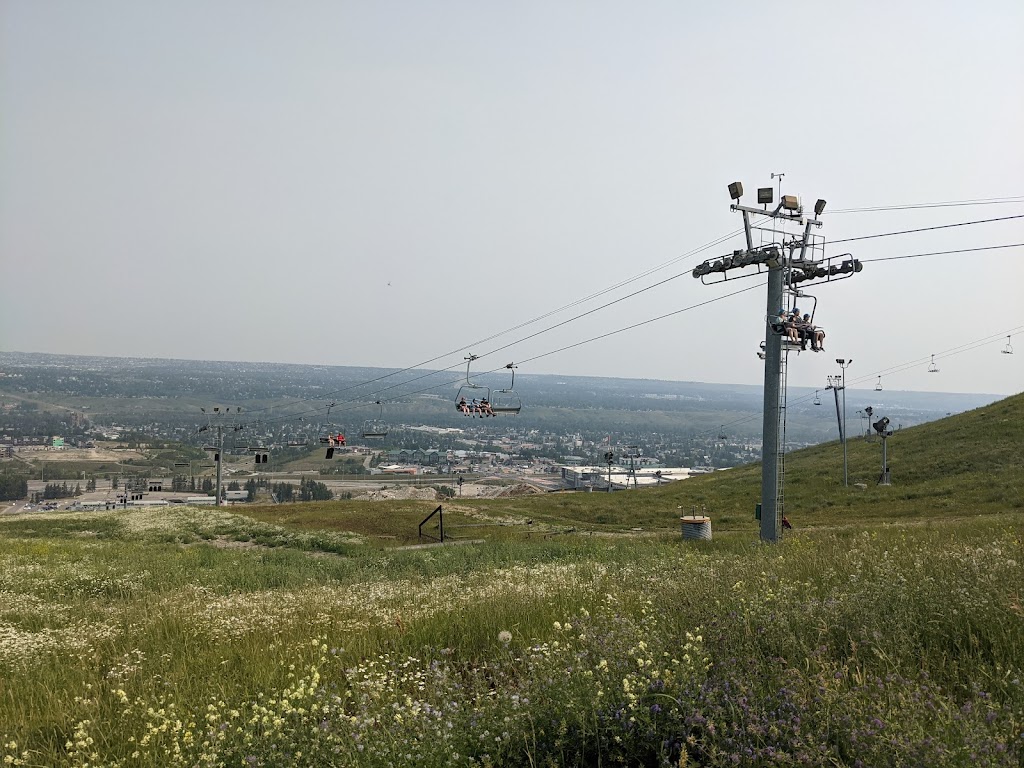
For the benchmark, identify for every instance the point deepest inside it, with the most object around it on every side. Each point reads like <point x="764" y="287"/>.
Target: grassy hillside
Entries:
<point x="883" y="631"/>
<point x="969" y="464"/>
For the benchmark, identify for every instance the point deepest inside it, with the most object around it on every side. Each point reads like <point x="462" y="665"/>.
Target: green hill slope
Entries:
<point x="968" y="464"/>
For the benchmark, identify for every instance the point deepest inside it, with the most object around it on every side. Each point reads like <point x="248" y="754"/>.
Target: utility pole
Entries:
<point x="216" y="420"/>
<point x="843" y="365"/>
<point x="634" y="453"/>
<point x="838" y="384"/>
<point x="791" y="258"/>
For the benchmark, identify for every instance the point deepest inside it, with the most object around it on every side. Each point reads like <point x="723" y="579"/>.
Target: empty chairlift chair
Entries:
<point x="506" y="400"/>
<point x="375" y="429"/>
<point x="301" y="438"/>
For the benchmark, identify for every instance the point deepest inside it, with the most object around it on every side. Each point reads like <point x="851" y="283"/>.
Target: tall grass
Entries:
<point x="899" y="645"/>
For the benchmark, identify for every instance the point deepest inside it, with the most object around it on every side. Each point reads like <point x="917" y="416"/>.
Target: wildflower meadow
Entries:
<point x="127" y="641"/>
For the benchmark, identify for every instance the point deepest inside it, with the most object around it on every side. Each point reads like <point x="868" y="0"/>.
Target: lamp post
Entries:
<point x="843" y="365"/>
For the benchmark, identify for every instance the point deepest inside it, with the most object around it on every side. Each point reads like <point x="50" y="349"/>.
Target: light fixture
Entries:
<point x="790" y="202"/>
<point x="881" y="425"/>
<point x="819" y="207"/>
<point x="765" y="195"/>
<point x="736" y="190"/>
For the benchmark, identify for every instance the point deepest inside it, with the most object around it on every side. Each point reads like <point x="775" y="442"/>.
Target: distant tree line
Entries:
<point x="182" y="484"/>
<point x="13" y="487"/>
<point x="57" y="491"/>
<point x="308" y="490"/>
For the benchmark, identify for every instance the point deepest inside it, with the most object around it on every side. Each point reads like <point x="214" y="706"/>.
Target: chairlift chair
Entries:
<point x="239" y="445"/>
<point x="1008" y="349"/>
<point x="329" y="438"/>
<point x="817" y="400"/>
<point x="470" y="391"/>
<point x="506" y="400"/>
<point x="375" y="429"/>
<point x="814" y="302"/>
<point x="302" y="440"/>
<point x="721" y="433"/>
<point x="787" y="344"/>
<point x="933" y="368"/>
<point x="878" y="386"/>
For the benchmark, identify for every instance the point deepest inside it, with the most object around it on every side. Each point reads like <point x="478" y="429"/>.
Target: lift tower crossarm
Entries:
<point x="778" y="213"/>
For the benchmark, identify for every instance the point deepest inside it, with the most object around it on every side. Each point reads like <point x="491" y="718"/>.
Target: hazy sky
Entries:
<point x="381" y="183"/>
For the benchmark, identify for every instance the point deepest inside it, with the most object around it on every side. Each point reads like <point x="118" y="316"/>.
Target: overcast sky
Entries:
<point x="382" y="183"/>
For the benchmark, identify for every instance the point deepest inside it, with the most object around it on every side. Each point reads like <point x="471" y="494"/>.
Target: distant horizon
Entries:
<point x="758" y="386"/>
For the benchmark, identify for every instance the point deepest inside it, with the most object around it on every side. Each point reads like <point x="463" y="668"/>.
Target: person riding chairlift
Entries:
<point x="485" y="408"/>
<point x="463" y="406"/>
<point x="803" y="330"/>
<point x="817" y="335"/>
<point x="783" y="323"/>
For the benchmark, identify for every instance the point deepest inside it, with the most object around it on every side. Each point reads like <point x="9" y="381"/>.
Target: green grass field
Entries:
<point x="886" y="629"/>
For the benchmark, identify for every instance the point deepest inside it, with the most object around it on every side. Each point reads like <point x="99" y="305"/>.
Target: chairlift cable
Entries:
<point x="711" y="244"/>
<point x="966" y="347"/>
<point x="560" y="324"/>
<point x="916" y="363"/>
<point x="1010" y="199"/>
<point x="925" y="229"/>
<point x="644" y="322"/>
<point x="635" y="278"/>
<point x="583" y="300"/>
<point x="594" y="338"/>
<point x="943" y="253"/>
<point x="553" y="327"/>
<point x="552" y="352"/>
<point x="580" y="343"/>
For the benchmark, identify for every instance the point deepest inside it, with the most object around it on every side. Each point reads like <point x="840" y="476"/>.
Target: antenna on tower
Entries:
<point x="779" y="177"/>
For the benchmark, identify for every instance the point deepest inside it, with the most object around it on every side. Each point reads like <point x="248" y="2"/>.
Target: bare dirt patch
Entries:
<point x="81" y="454"/>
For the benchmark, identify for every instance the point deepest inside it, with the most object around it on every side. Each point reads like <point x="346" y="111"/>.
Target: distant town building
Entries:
<point x="430" y="457"/>
<point x="597" y="477"/>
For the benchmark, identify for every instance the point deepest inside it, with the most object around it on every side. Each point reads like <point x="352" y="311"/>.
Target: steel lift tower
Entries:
<point x="219" y="419"/>
<point x="793" y="257"/>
